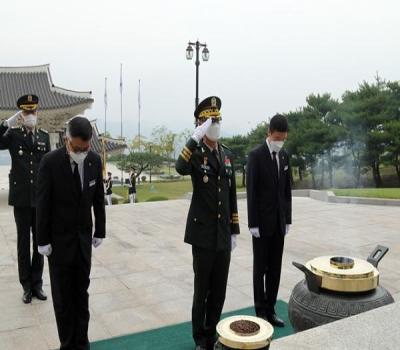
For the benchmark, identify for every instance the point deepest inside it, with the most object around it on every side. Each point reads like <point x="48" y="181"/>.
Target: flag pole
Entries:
<point x="105" y="128"/>
<point x="139" y="108"/>
<point x="105" y="105"/>
<point x="120" y="90"/>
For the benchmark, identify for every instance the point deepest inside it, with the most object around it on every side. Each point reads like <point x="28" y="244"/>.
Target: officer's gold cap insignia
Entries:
<point x="213" y="102"/>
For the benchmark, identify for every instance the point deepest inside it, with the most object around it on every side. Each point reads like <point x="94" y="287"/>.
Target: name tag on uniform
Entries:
<point x="41" y="143"/>
<point x="92" y="183"/>
<point x="286" y="168"/>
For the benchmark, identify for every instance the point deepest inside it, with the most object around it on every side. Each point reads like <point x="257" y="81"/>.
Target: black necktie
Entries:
<point x="77" y="179"/>
<point x="275" y="168"/>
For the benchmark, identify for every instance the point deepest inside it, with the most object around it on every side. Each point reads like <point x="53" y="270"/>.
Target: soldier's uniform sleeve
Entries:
<point x="183" y="165"/>
<point x="235" y="229"/>
<point x="48" y="147"/>
<point x="4" y="136"/>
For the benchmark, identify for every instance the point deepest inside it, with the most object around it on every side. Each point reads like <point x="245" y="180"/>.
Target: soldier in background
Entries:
<point x="27" y="145"/>
<point x="212" y="222"/>
<point x="108" y="188"/>
<point x="132" y="186"/>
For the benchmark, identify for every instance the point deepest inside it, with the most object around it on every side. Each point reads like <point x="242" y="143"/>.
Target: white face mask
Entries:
<point x="78" y="158"/>
<point x="30" y="121"/>
<point x="276" y="146"/>
<point x="214" y="132"/>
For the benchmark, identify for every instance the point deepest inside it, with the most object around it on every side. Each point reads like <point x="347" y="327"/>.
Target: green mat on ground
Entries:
<point x="179" y="336"/>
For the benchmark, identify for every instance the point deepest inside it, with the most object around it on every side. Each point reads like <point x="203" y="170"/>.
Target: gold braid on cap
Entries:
<point x="28" y="107"/>
<point x="210" y="113"/>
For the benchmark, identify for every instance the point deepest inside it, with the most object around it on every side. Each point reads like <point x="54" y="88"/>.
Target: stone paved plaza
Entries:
<point x="142" y="275"/>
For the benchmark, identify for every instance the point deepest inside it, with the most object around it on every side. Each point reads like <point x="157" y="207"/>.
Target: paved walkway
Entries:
<point x="142" y="276"/>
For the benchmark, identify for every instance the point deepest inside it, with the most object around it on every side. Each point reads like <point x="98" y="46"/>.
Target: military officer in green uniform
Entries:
<point x="27" y="145"/>
<point x="212" y="222"/>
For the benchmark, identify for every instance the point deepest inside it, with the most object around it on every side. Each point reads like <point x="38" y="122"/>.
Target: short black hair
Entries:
<point x="278" y="123"/>
<point x="80" y="127"/>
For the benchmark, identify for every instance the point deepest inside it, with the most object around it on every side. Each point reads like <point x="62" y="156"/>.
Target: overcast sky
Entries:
<point x="265" y="56"/>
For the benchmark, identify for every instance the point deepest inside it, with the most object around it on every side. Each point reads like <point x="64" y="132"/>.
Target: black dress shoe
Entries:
<point x="275" y="321"/>
<point x="40" y="294"/>
<point x="27" y="297"/>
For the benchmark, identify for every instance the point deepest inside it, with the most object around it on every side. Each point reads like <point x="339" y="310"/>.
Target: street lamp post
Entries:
<point x="205" y="56"/>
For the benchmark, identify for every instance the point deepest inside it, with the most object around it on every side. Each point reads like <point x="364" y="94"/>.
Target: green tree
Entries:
<point x="365" y="113"/>
<point x="141" y="161"/>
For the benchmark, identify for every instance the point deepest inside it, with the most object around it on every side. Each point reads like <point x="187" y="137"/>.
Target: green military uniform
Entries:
<point x="26" y="150"/>
<point x="211" y="222"/>
<point x="213" y="215"/>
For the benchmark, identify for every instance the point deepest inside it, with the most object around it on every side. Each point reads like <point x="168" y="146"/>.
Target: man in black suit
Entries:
<point x="27" y="145"/>
<point x="269" y="205"/>
<point x="70" y="184"/>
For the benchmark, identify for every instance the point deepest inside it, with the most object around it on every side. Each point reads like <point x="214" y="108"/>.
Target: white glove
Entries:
<point x="233" y="242"/>
<point x="13" y="120"/>
<point x="97" y="241"/>
<point x="45" y="250"/>
<point x="255" y="232"/>
<point x="287" y="229"/>
<point x="201" y="130"/>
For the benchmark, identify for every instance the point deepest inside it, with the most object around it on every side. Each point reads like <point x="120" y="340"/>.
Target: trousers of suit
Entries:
<point x="211" y="269"/>
<point x="69" y="288"/>
<point x="30" y="270"/>
<point x="267" y="266"/>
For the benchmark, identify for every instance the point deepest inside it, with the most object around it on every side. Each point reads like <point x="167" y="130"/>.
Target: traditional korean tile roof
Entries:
<point x="18" y="81"/>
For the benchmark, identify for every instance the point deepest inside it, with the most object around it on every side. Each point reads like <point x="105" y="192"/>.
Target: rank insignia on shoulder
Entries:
<point x="45" y="131"/>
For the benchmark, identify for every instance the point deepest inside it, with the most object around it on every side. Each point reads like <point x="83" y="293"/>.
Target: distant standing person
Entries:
<point x="27" y="145"/>
<point x="269" y="202"/>
<point x="213" y="221"/>
<point x="108" y="188"/>
<point x="70" y="185"/>
<point x="132" y="186"/>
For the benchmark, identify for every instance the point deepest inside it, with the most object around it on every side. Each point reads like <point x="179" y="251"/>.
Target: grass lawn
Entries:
<point x="167" y="190"/>
<point x="389" y="193"/>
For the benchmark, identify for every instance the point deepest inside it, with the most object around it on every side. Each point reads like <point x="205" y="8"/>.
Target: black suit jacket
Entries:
<point x="265" y="198"/>
<point x="64" y="218"/>
<point x="25" y="158"/>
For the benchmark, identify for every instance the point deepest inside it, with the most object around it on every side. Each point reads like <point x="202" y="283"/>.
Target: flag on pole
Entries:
<point x="105" y="92"/>
<point x="139" y="95"/>
<point x="120" y="80"/>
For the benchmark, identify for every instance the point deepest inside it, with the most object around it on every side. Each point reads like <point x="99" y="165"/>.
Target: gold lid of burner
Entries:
<point x="236" y="341"/>
<point x="344" y="274"/>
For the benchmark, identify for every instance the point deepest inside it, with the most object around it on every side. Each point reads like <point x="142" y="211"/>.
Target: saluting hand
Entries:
<point x="14" y="119"/>
<point x="201" y="130"/>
